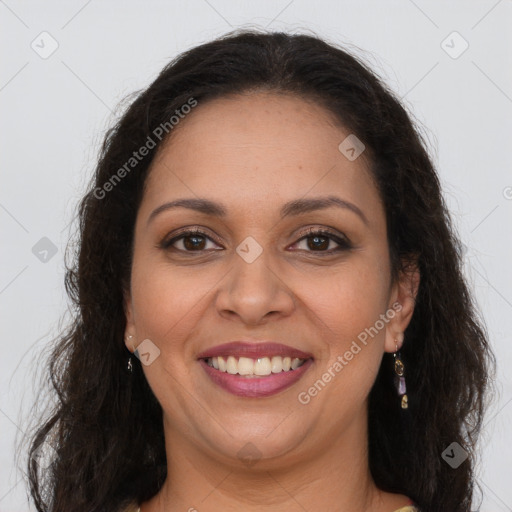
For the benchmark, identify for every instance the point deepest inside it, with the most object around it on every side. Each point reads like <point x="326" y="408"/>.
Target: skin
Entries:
<point x="253" y="153"/>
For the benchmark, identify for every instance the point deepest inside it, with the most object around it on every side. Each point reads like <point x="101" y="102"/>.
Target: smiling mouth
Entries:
<point x="254" y="378"/>
<point x="250" y="368"/>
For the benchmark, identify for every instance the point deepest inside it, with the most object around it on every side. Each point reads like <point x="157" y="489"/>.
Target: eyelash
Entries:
<point x="343" y="243"/>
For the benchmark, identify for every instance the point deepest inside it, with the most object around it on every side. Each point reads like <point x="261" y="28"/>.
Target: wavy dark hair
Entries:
<point x="106" y="427"/>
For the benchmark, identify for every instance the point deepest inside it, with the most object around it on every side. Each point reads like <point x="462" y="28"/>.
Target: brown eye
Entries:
<point x="188" y="241"/>
<point x="321" y="241"/>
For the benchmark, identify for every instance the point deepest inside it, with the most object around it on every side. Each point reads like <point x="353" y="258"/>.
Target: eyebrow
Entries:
<point x="292" y="208"/>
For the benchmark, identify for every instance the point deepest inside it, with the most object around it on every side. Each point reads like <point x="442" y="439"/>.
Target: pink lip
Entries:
<point x="253" y="350"/>
<point x="255" y="387"/>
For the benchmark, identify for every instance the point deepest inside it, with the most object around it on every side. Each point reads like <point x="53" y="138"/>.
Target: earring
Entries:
<point x="129" y="365"/>
<point x="400" y="378"/>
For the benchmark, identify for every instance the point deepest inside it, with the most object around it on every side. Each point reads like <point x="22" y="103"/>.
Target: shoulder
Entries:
<point x="408" y="508"/>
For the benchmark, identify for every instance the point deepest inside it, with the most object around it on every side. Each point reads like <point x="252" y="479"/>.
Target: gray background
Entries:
<point x="56" y="109"/>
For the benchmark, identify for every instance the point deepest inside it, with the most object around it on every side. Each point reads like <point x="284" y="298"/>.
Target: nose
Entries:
<point x="253" y="292"/>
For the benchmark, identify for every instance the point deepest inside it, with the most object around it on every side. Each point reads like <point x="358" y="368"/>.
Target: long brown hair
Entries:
<point x="106" y="427"/>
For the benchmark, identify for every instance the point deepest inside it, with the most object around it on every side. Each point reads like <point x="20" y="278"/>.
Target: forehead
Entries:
<point x="254" y="147"/>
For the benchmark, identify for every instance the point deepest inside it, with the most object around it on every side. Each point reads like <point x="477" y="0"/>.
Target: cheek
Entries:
<point x="353" y="298"/>
<point x="167" y="303"/>
<point x="350" y="305"/>
<point x="170" y="304"/>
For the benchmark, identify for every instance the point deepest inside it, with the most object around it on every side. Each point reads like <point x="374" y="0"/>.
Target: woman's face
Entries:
<point x="268" y="163"/>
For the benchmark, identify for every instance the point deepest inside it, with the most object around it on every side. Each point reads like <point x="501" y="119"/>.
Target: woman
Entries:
<point x="270" y="308"/>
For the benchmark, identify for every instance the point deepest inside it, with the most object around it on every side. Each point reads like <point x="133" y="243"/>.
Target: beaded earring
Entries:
<point x="400" y="378"/>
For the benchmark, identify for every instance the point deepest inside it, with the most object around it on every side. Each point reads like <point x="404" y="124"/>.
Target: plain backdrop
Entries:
<point x="66" y="65"/>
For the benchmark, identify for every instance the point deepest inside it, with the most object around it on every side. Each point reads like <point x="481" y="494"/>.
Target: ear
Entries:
<point x="129" y="332"/>
<point x="402" y="302"/>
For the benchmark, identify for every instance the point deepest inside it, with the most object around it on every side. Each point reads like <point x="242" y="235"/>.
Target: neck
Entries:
<point x="336" y="477"/>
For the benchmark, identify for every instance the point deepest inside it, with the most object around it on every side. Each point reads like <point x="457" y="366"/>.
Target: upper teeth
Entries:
<point x="260" y="366"/>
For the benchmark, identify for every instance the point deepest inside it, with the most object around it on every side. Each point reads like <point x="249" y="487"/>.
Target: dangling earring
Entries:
<point x="400" y="378"/>
<point x="129" y="365"/>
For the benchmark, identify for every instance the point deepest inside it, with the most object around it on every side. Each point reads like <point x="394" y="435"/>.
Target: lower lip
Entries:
<point x="255" y="387"/>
